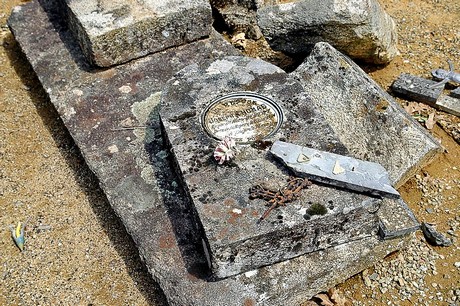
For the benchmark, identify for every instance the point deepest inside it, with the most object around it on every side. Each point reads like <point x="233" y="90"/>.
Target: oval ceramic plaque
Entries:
<point x="243" y="116"/>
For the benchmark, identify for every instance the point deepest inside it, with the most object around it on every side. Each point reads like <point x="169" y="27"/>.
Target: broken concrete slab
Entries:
<point x="134" y="171"/>
<point x="417" y="88"/>
<point x="114" y="32"/>
<point x="336" y="170"/>
<point x="449" y="105"/>
<point x="359" y="28"/>
<point x="382" y="131"/>
<point x="253" y="101"/>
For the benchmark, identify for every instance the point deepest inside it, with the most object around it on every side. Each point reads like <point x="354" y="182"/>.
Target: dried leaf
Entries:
<point x="325" y="301"/>
<point x="337" y="297"/>
<point x="409" y="108"/>
<point x="429" y="123"/>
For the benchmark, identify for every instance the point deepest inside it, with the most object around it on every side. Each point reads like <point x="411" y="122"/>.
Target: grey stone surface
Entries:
<point x="336" y="170"/>
<point x="417" y="88"/>
<point x="449" y="104"/>
<point x="382" y="131"/>
<point x="220" y="194"/>
<point x="359" y="28"/>
<point x="114" y="32"/>
<point x="455" y="93"/>
<point x="133" y="167"/>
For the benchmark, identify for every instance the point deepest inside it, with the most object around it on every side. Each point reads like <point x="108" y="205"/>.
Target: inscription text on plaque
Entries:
<point x="243" y="116"/>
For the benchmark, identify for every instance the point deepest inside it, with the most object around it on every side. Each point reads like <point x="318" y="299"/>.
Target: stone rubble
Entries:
<point x="404" y="275"/>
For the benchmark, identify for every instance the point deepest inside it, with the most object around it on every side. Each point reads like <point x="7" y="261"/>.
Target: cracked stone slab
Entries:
<point x="114" y="32"/>
<point x="359" y="28"/>
<point x="382" y="131"/>
<point x="336" y="170"/>
<point x="133" y="167"/>
<point x="417" y="88"/>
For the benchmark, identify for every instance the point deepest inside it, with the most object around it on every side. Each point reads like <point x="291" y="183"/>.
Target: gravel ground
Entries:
<point x="77" y="251"/>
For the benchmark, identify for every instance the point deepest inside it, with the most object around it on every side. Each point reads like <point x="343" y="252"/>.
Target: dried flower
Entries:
<point x="225" y="150"/>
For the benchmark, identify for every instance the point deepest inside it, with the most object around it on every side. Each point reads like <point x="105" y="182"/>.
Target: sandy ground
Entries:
<point x="77" y="251"/>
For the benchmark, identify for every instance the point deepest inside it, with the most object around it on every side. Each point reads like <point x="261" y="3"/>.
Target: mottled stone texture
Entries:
<point x="133" y="167"/>
<point x="359" y="28"/>
<point x="114" y="32"/>
<point x="220" y="194"/>
<point x="381" y="131"/>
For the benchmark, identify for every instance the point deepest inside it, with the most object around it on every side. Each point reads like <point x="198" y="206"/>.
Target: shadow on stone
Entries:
<point x="176" y="200"/>
<point x="112" y="225"/>
<point x="53" y="9"/>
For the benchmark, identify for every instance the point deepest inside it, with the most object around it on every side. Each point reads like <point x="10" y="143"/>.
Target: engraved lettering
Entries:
<point x="244" y="117"/>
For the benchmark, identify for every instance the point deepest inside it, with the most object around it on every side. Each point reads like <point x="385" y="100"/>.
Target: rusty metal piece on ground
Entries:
<point x="279" y="198"/>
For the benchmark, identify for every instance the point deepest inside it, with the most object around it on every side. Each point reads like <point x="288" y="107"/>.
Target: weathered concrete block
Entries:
<point x="417" y="88"/>
<point x="449" y="105"/>
<point x="368" y="121"/>
<point x="134" y="169"/>
<point x="220" y="195"/>
<point x="359" y="28"/>
<point x="114" y="32"/>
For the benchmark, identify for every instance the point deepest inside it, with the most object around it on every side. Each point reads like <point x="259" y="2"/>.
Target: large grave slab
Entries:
<point x="134" y="170"/>
<point x="382" y="131"/>
<point x="253" y="101"/>
<point x="114" y="32"/>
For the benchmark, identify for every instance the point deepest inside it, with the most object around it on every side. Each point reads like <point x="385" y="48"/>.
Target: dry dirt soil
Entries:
<point x="77" y="251"/>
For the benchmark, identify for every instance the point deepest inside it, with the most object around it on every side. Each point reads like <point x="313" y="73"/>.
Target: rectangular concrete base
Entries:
<point x="134" y="170"/>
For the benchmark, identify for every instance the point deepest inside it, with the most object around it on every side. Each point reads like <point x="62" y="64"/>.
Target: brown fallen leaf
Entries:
<point x="338" y="298"/>
<point x="429" y="123"/>
<point x="325" y="301"/>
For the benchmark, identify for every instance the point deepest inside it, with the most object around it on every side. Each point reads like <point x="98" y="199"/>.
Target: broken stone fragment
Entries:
<point x="434" y="237"/>
<point x="336" y="170"/>
<point x="417" y="89"/>
<point x="359" y="28"/>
